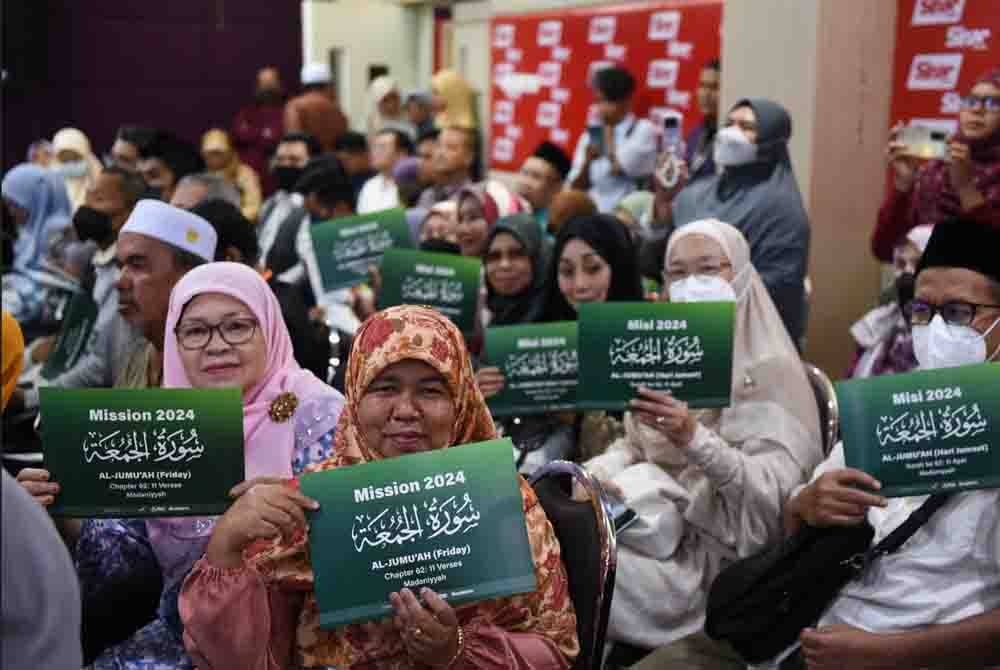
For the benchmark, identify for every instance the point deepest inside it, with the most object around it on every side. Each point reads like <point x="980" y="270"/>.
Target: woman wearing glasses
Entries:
<point x="966" y="182"/>
<point x="706" y="486"/>
<point x="224" y="329"/>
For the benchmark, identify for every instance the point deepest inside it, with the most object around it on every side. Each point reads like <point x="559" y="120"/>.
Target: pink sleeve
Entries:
<point x="488" y="647"/>
<point x="232" y="619"/>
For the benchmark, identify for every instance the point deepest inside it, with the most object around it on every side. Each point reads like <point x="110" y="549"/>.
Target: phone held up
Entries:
<point x="669" y="173"/>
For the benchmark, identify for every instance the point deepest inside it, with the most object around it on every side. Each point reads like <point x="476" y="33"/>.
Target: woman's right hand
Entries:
<point x="263" y="510"/>
<point x="490" y="381"/>
<point x="904" y="166"/>
<point x="838" y="498"/>
<point x="36" y="482"/>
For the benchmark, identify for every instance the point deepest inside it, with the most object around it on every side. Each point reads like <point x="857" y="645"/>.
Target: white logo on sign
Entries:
<point x="614" y="52"/>
<point x="549" y="33"/>
<point x="559" y="136"/>
<point x="596" y="67"/>
<point x="951" y="103"/>
<point x="513" y="132"/>
<point x="550" y="73"/>
<point x="503" y="111"/>
<point x="934" y="72"/>
<point x="682" y="50"/>
<point x="662" y="73"/>
<point x="680" y="99"/>
<point x="503" y="35"/>
<point x="664" y="25"/>
<point x="513" y="55"/>
<point x="602" y="29"/>
<point x="960" y="37"/>
<point x="503" y="150"/>
<point x="501" y="70"/>
<point x="561" y="54"/>
<point x="937" y="12"/>
<point x="548" y="115"/>
<point x="560" y="95"/>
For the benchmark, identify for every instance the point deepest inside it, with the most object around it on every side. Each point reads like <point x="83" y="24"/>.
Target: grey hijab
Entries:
<point x="762" y="200"/>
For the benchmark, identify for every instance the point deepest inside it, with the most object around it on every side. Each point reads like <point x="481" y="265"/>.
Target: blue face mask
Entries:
<point x="72" y="170"/>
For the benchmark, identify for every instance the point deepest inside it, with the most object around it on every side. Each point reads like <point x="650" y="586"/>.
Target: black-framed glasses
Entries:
<point x="989" y="103"/>
<point x="197" y="334"/>
<point x="955" y="313"/>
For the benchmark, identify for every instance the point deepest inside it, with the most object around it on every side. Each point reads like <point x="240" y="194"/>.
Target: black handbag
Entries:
<point x="760" y="604"/>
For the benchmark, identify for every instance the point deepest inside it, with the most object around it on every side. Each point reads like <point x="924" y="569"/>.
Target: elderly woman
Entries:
<point x="224" y="329"/>
<point x="707" y="486"/>
<point x="221" y="159"/>
<point x="410" y="389"/>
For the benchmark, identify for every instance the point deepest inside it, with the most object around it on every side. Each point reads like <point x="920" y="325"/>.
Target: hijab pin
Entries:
<point x="283" y="407"/>
<point x="748" y="382"/>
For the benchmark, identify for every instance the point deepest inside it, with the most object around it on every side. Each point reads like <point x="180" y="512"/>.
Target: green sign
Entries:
<point x="539" y="367"/>
<point x="924" y="432"/>
<point x="77" y="325"/>
<point x="684" y="348"/>
<point x="451" y="520"/>
<point x="142" y="452"/>
<point x="346" y="247"/>
<point x="447" y="282"/>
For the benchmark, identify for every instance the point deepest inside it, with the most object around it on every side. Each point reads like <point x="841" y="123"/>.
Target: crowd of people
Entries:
<point x="200" y="263"/>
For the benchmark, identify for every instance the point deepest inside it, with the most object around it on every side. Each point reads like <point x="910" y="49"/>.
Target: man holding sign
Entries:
<point x="936" y="602"/>
<point x="410" y="393"/>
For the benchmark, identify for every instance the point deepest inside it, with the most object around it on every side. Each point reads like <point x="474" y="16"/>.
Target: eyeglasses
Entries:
<point x="713" y="270"/>
<point x="196" y="335"/>
<point x="989" y="103"/>
<point x="956" y="313"/>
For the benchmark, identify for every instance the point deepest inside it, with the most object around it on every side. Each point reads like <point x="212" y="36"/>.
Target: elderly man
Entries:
<point x="451" y="166"/>
<point x="937" y="602"/>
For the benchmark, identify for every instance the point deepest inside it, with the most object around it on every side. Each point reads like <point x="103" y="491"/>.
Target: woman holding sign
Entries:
<point x="707" y="486"/>
<point x="250" y="603"/>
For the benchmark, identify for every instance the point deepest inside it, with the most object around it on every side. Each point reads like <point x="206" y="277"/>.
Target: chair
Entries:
<point x="589" y="553"/>
<point x="826" y="402"/>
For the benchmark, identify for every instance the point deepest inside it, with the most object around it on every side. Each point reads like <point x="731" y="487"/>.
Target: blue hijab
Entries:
<point x="43" y="194"/>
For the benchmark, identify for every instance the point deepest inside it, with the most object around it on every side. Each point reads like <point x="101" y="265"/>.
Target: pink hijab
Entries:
<point x="269" y="444"/>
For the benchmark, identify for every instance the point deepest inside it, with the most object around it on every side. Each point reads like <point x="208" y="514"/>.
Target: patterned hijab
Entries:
<point x="405" y="333"/>
<point x="935" y="199"/>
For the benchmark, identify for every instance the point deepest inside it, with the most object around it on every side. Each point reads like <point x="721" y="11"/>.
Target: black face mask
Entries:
<point x="267" y="96"/>
<point x="91" y="224"/>
<point x="906" y="285"/>
<point x="286" y="176"/>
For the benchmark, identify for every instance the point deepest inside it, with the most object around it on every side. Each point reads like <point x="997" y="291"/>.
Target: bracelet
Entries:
<point x="459" y="651"/>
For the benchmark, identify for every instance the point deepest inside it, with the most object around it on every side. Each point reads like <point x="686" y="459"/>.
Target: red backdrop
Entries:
<point x="663" y="44"/>
<point x="942" y="46"/>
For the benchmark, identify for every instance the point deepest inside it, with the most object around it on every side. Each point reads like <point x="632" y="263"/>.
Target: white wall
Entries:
<point x="370" y="32"/>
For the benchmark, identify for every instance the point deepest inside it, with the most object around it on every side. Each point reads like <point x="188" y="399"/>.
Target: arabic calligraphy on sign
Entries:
<point x="180" y="445"/>
<point x="935" y="423"/>
<point x="359" y="247"/>
<point x="432" y="290"/>
<point x="649" y="351"/>
<point x="542" y="363"/>
<point x="419" y="521"/>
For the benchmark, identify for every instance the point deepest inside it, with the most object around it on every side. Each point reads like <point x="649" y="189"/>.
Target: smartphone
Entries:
<point x="670" y="140"/>
<point x="596" y="136"/>
<point x="622" y="516"/>
<point x="924" y="143"/>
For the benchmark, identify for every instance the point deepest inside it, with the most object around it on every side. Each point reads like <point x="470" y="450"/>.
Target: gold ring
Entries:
<point x="661" y="420"/>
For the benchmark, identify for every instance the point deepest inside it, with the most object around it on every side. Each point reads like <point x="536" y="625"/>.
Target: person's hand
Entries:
<point x="838" y="498"/>
<point x="490" y="381"/>
<point x="593" y="153"/>
<point x="666" y="414"/>
<point x="375" y="278"/>
<point x="960" y="168"/>
<point x="429" y="633"/>
<point x="263" y="510"/>
<point x="838" y="647"/>
<point x="36" y="482"/>
<point x="904" y="166"/>
<point x="42" y="349"/>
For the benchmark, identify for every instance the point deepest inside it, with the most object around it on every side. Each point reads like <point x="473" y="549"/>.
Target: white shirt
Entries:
<point x="377" y="194"/>
<point x="635" y="147"/>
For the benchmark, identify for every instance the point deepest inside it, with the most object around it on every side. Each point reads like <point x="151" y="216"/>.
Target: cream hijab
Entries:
<point x="458" y="98"/>
<point x="74" y="140"/>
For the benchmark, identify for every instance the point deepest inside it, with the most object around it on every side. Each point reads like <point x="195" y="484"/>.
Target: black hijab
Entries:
<point x="526" y="306"/>
<point x="611" y="241"/>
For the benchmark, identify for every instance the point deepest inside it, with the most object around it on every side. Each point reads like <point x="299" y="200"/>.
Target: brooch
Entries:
<point x="283" y="407"/>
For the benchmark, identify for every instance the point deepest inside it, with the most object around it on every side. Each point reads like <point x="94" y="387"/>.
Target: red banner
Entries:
<point x="542" y="65"/>
<point x="942" y="47"/>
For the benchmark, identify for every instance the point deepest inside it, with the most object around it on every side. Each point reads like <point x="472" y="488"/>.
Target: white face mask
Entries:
<point x="732" y="148"/>
<point x="940" y="345"/>
<point x="73" y="170"/>
<point x="702" y="288"/>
